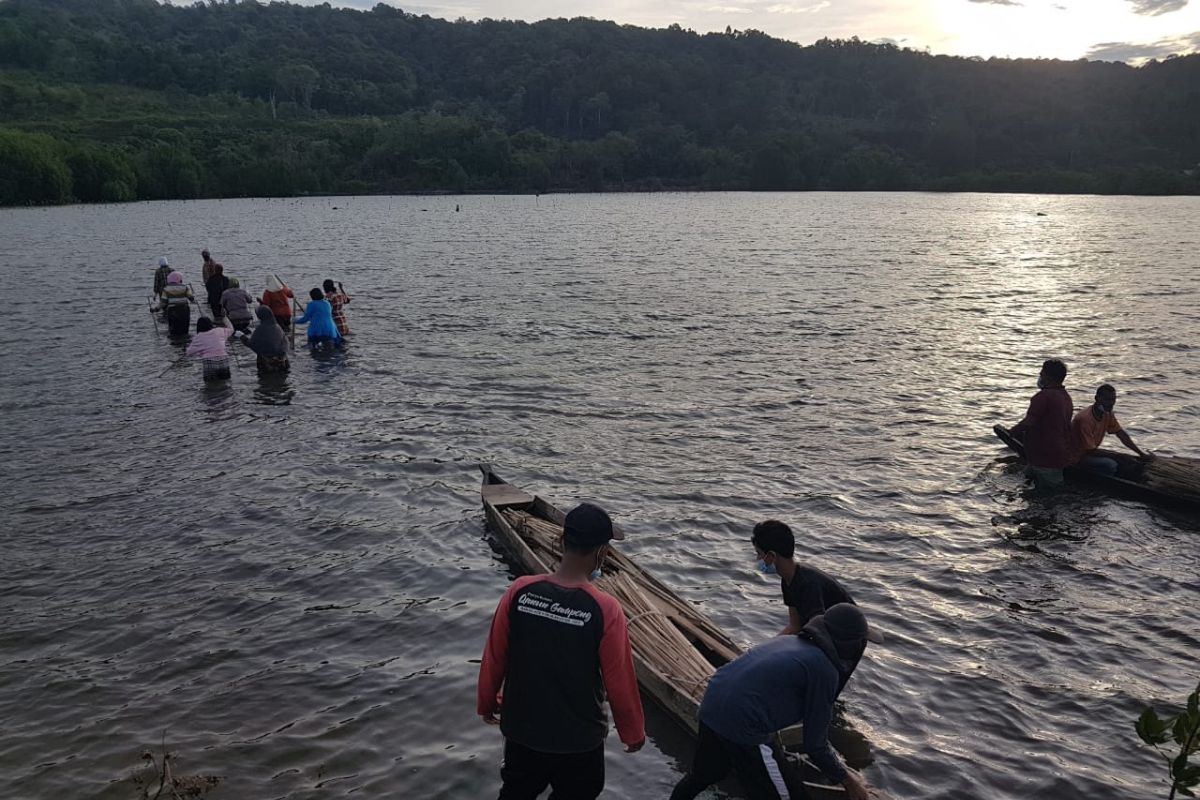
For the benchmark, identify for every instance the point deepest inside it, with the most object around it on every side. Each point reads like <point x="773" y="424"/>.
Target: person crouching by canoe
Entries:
<point x="215" y="286"/>
<point x="318" y="315"/>
<point x="209" y="345"/>
<point x="807" y="591"/>
<point x="177" y="302"/>
<point x="269" y="342"/>
<point x="1089" y="427"/>
<point x="235" y="302"/>
<point x="557" y="645"/>
<point x="782" y="682"/>
<point x="338" y="299"/>
<point x="1046" y="428"/>
<point x="278" y="298"/>
<point x="160" y="276"/>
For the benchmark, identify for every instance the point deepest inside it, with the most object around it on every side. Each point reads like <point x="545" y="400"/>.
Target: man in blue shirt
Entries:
<point x="784" y="681"/>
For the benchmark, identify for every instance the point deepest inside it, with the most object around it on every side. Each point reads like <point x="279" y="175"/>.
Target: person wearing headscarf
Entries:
<point x="268" y="342"/>
<point x="337" y="297"/>
<point x="210" y="346"/>
<point x="318" y="315"/>
<point x="216" y="285"/>
<point x="176" y="300"/>
<point x="209" y="267"/>
<point x="278" y="298"/>
<point x="160" y="276"/>
<point x="236" y="303"/>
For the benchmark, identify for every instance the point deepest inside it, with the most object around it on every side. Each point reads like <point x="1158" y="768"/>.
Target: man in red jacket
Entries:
<point x="557" y="646"/>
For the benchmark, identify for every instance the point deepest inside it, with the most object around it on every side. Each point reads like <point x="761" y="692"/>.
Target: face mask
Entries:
<point x="765" y="568"/>
<point x="595" y="575"/>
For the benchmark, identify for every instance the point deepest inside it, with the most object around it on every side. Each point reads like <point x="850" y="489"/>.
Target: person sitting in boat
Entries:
<point x="1089" y="427"/>
<point x="268" y="342"/>
<point x="160" y="276"/>
<point x="807" y="591"/>
<point x="337" y="297"/>
<point x="215" y="286"/>
<point x="209" y="345"/>
<point x="318" y="315"/>
<point x="278" y="298"/>
<point x="1046" y="428"/>
<point x="236" y="302"/>
<point x="782" y="682"/>
<point x="557" y="646"/>
<point x="176" y="300"/>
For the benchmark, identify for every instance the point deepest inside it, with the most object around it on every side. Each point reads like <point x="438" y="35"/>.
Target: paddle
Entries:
<point x="153" y="316"/>
<point x="292" y="332"/>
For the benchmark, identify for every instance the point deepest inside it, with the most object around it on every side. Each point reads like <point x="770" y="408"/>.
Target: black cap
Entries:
<point x="589" y="525"/>
<point x="846" y="623"/>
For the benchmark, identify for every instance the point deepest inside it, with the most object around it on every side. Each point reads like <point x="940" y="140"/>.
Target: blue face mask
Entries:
<point x="596" y="575"/>
<point x="765" y="568"/>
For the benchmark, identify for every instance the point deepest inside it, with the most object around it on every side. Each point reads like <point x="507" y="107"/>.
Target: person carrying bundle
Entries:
<point x="176" y="300"/>
<point x="337" y="297"/>
<point x="235" y="301"/>
<point x="209" y="345"/>
<point x="782" y="682"/>
<point x="160" y="276"/>
<point x="268" y="342"/>
<point x="557" y="645"/>
<point x="318" y="315"/>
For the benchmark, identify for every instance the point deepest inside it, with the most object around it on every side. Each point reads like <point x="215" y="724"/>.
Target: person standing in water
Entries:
<point x="236" y="302"/>
<point x="268" y="342"/>
<point x="176" y="300"/>
<point x="160" y="276"/>
<point x="557" y="646"/>
<point x="278" y="298"/>
<point x="807" y="591"/>
<point x="318" y="315"/>
<point x="337" y="297"/>
<point x="215" y="286"/>
<point x="209" y="345"/>
<point x="209" y="267"/>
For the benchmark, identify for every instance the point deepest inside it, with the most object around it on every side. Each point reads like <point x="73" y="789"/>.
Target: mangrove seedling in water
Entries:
<point x="1184" y="729"/>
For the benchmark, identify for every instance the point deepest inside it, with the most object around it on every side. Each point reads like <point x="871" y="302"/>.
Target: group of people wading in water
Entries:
<point x="233" y="313"/>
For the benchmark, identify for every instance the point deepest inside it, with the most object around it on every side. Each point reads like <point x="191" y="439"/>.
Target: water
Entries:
<point x="290" y="583"/>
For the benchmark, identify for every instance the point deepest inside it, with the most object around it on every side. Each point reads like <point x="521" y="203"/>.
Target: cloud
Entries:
<point x="729" y="9"/>
<point x="1134" y="51"/>
<point x="1153" y="8"/>
<point x="1013" y="2"/>
<point x="787" y="8"/>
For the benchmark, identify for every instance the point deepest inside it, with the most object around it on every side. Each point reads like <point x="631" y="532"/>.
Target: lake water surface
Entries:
<point x="291" y="583"/>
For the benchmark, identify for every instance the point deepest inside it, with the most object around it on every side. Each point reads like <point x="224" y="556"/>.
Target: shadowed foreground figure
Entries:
<point x="782" y="682"/>
<point x="557" y="646"/>
<point x="269" y="342"/>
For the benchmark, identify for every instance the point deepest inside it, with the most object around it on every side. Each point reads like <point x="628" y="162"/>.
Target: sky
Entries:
<point x="1110" y="30"/>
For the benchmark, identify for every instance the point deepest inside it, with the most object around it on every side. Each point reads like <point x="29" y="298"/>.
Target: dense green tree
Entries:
<point x="32" y="169"/>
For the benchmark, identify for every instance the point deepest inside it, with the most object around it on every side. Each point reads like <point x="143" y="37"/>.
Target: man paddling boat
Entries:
<point x="557" y="646"/>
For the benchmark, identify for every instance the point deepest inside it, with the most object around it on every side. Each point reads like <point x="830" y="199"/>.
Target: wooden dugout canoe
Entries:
<point x="1171" y="481"/>
<point x="503" y="501"/>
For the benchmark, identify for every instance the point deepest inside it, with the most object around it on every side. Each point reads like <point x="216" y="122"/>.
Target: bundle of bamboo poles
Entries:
<point x="656" y="639"/>
<point x="1175" y="474"/>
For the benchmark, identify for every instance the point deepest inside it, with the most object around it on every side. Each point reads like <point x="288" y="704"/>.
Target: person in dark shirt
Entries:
<point x="780" y="683"/>
<point x="558" y="646"/>
<point x="1046" y="428"/>
<point x="807" y="591"/>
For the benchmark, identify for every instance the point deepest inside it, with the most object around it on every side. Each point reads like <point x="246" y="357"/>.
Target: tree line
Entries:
<point x="112" y="100"/>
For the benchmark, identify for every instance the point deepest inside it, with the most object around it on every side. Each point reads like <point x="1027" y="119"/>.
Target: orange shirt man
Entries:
<point x="1089" y="427"/>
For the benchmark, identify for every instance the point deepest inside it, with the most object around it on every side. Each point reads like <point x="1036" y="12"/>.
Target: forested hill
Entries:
<point x="124" y="99"/>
